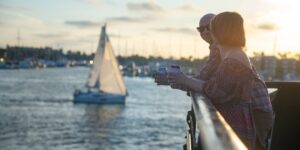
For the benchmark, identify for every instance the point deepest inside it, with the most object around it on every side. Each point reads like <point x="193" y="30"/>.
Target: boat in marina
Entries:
<point x="105" y="84"/>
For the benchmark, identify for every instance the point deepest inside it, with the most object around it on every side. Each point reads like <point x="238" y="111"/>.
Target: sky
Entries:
<point x="145" y="27"/>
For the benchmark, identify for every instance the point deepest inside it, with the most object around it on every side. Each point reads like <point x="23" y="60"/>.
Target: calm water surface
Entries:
<point x="37" y="112"/>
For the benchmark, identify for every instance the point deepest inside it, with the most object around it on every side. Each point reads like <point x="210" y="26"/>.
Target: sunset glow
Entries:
<point x="148" y="27"/>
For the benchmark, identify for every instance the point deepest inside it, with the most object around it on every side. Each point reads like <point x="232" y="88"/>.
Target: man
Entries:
<point x="214" y="54"/>
<point x="212" y="62"/>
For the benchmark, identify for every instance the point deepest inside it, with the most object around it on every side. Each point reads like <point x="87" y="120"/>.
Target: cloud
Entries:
<point x="268" y="26"/>
<point x="146" y="6"/>
<point x="125" y="19"/>
<point x="112" y="35"/>
<point x="83" y="24"/>
<point x="177" y="30"/>
<point x="14" y="8"/>
<point x="50" y="36"/>
<point x="99" y="2"/>
<point x="21" y="20"/>
<point x="189" y="8"/>
<point x="19" y="17"/>
<point x="93" y="2"/>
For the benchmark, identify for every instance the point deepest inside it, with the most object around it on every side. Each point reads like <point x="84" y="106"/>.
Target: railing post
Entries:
<point x="190" y="137"/>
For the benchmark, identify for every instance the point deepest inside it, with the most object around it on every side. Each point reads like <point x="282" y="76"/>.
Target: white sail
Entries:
<point x="92" y="80"/>
<point x="105" y="74"/>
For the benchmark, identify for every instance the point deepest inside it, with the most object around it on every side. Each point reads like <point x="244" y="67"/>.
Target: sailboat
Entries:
<point x="105" y="83"/>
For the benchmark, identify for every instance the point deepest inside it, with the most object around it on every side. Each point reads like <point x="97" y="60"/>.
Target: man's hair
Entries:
<point x="228" y="29"/>
<point x="206" y="17"/>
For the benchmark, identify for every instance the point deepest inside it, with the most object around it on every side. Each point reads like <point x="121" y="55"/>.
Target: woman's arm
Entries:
<point x="187" y="82"/>
<point x="194" y="84"/>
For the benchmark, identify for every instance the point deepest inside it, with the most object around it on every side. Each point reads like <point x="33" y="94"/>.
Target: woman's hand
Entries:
<point x="177" y="81"/>
<point x="161" y="79"/>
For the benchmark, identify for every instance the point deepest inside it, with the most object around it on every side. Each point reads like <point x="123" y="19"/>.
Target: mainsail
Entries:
<point x="105" y="73"/>
<point x="92" y="81"/>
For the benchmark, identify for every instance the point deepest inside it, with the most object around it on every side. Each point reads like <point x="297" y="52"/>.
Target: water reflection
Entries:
<point x="103" y="115"/>
<point x="98" y="123"/>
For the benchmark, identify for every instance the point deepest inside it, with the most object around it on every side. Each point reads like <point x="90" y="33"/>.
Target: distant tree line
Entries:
<point x="15" y="53"/>
<point x="141" y="60"/>
<point x="282" y="62"/>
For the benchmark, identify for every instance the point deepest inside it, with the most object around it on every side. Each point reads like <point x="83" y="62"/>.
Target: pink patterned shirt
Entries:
<point x="236" y="91"/>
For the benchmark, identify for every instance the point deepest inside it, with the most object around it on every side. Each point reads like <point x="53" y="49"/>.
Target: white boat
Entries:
<point x="105" y="82"/>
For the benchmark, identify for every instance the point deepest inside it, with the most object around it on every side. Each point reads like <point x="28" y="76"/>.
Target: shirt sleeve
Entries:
<point x="230" y="82"/>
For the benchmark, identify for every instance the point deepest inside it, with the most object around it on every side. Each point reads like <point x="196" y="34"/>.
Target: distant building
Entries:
<point x="265" y="66"/>
<point x="2" y="54"/>
<point x="270" y="63"/>
<point x="289" y="69"/>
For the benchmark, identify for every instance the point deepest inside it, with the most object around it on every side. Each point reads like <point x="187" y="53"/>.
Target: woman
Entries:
<point x="235" y="88"/>
<point x="213" y="60"/>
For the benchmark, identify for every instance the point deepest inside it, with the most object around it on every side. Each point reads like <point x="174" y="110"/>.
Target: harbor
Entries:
<point x="143" y="75"/>
<point x="282" y="67"/>
<point x="49" y="118"/>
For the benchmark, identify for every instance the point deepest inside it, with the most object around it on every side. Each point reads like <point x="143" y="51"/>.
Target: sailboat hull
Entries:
<point x="99" y="98"/>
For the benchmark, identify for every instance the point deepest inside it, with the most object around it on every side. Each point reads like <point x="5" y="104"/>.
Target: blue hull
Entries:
<point x="99" y="98"/>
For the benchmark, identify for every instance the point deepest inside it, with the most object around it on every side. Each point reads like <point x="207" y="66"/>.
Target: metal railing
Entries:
<point x="208" y="130"/>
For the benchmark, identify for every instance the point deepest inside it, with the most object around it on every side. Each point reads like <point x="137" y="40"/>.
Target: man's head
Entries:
<point x="204" y="27"/>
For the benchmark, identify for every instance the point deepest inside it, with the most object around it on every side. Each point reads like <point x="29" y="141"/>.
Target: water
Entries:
<point x="37" y="112"/>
